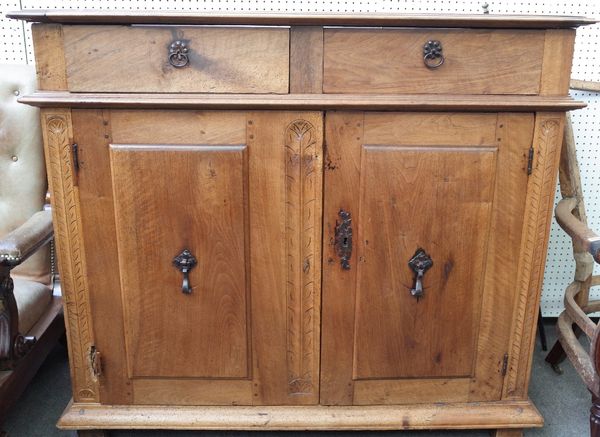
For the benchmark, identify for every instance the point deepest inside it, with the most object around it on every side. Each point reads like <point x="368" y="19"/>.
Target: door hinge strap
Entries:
<point x="95" y="362"/>
<point x="75" y="150"/>
<point x="504" y="364"/>
<point x="530" y="161"/>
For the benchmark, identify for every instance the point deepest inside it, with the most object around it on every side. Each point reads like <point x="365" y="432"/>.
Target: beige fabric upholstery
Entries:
<point x="22" y="172"/>
<point x="32" y="299"/>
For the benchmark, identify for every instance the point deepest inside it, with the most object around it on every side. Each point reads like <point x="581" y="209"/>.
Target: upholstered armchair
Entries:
<point x="30" y="316"/>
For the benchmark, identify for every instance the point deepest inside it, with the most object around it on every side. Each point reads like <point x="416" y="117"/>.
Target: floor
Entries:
<point x="563" y="401"/>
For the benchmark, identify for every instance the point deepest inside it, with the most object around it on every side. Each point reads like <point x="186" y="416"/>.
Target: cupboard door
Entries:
<point x="452" y="187"/>
<point x="241" y="326"/>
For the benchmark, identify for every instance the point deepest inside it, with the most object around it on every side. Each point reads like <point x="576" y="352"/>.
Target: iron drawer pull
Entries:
<point x="433" y="55"/>
<point x="178" y="54"/>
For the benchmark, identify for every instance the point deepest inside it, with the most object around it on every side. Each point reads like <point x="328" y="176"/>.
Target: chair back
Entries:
<point x="23" y="183"/>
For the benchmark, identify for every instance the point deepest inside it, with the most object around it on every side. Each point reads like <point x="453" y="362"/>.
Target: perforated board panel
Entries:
<point x="15" y="47"/>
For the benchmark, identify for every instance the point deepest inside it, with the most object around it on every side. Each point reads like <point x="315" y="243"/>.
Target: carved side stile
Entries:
<point x="540" y="197"/>
<point x="302" y="239"/>
<point x="57" y="132"/>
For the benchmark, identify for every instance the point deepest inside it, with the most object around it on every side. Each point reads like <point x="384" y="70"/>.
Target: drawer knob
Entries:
<point x="184" y="262"/>
<point x="433" y="55"/>
<point x="419" y="263"/>
<point x="178" y="54"/>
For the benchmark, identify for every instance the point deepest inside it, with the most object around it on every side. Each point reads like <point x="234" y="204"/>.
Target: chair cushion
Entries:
<point x="32" y="299"/>
<point x="22" y="172"/>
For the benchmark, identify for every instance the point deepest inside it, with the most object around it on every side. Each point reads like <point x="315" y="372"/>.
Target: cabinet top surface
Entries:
<point x="380" y="19"/>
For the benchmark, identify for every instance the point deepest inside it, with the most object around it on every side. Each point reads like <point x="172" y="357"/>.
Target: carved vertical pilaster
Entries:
<point x="58" y="133"/>
<point x="534" y="242"/>
<point x="303" y="210"/>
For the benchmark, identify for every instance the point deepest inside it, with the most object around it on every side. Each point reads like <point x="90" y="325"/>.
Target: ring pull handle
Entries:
<point x="178" y="54"/>
<point x="433" y="54"/>
<point x="419" y="263"/>
<point x="185" y="262"/>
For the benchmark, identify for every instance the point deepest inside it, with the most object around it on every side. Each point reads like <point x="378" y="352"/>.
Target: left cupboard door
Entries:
<point x="201" y="234"/>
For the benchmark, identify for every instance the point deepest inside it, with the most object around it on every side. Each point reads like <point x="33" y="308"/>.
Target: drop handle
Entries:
<point x="419" y="263"/>
<point x="184" y="262"/>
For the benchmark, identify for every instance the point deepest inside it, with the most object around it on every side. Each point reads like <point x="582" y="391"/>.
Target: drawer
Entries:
<point x="137" y="59"/>
<point x="475" y="61"/>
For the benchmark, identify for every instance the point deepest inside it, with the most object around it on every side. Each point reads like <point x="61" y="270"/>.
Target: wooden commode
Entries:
<point x="301" y="222"/>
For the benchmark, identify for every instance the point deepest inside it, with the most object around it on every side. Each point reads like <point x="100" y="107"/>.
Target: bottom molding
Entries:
<point x="501" y="414"/>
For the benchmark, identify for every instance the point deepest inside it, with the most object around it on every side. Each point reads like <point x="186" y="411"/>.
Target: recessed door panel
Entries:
<point x="169" y="199"/>
<point x="437" y="199"/>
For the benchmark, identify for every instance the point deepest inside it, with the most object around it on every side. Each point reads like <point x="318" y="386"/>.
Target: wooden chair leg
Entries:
<point x="557" y="353"/>
<point x="542" y="331"/>
<point x="507" y="433"/>
<point x="595" y="417"/>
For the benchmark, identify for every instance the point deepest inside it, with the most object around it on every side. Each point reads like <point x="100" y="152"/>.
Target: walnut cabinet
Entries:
<point x="300" y="226"/>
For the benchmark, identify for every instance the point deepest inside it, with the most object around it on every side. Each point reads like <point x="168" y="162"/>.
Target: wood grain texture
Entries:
<point x="505" y="415"/>
<point x="413" y="102"/>
<point x="290" y="145"/>
<point x="312" y="19"/>
<point x="540" y="197"/>
<point x="49" y="53"/>
<point x="395" y="334"/>
<point x="178" y="127"/>
<point x="391" y="61"/>
<point x="306" y="59"/>
<point x="93" y="132"/>
<point x="285" y="177"/>
<point x="514" y="133"/>
<point x="411" y="391"/>
<point x="440" y="129"/>
<point x="371" y="320"/>
<point x="153" y="391"/>
<point x="558" y="56"/>
<point x="57" y="133"/>
<point x="221" y="60"/>
<point x="198" y="202"/>
<point x="343" y="136"/>
<point x="303" y="236"/>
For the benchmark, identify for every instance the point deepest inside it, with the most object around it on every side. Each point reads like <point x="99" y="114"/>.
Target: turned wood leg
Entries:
<point x="93" y="433"/>
<point x="595" y="417"/>
<point x="507" y="433"/>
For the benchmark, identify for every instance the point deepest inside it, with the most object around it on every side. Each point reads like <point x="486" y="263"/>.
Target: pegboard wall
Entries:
<point x="16" y="48"/>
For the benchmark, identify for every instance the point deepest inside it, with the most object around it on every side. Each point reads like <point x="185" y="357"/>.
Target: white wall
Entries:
<point x="15" y="47"/>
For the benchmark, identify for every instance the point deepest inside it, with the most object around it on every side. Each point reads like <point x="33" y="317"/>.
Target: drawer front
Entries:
<point x="392" y="61"/>
<point x="177" y="59"/>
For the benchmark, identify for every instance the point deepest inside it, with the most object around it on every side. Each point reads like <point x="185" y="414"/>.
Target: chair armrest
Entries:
<point x="589" y="240"/>
<point x="18" y="245"/>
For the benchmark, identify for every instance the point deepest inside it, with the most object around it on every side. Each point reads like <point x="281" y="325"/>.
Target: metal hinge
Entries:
<point x="75" y="150"/>
<point x="95" y="362"/>
<point x="504" y="365"/>
<point x="530" y="161"/>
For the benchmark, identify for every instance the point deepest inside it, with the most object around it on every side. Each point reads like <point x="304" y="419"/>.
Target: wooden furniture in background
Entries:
<point x="31" y="320"/>
<point x="360" y="248"/>
<point x="571" y="216"/>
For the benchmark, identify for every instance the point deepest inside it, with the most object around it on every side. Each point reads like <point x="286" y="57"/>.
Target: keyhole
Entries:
<point x="345" y="242"/>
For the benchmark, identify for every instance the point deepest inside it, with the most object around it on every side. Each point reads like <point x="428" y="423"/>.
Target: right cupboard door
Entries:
<point x="423" y="219"/>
